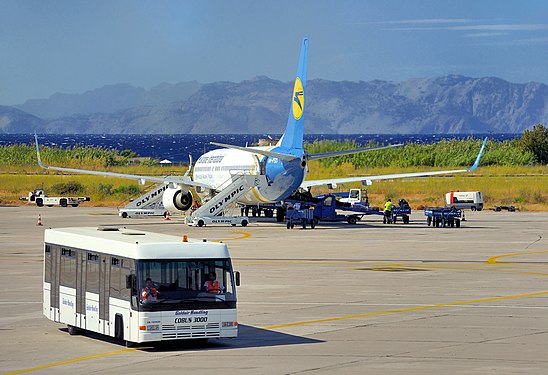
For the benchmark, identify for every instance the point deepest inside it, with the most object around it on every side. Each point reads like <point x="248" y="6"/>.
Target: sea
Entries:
<point x="177" y="147"/>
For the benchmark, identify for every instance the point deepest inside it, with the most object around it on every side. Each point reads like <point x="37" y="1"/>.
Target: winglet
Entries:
<point x="38" y="152"/>
<point x="187" y="173"/>
<point x="478" y="158"/>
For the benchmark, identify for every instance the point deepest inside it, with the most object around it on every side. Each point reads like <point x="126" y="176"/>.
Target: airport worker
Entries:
<point x="149" y="292"/>
<point x="388" y="206"/>
<point x="388" y="211"/>
<point x="212" y="285"/>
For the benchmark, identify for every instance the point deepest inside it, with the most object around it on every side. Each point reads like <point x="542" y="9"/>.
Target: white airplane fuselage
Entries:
<point x="217" y="168"/>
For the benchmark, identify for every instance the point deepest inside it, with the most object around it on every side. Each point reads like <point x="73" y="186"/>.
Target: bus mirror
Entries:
<point x="237" y="274"/>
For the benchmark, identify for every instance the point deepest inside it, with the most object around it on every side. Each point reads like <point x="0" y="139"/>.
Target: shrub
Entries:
<point x="68" y="188"/>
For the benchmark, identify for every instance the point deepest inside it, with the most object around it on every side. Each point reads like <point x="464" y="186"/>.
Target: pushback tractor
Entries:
<point x="139" y="286"/>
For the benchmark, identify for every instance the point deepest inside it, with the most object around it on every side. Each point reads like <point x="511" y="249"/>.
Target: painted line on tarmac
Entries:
<point x="244" y="235"/>
<point x="407" y="309"/>
<point x="494" y="260"/>
<point x="60" y="363"/>
<point x="470" y="268"/>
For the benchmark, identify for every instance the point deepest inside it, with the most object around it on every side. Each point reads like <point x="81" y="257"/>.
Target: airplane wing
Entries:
<point x="368" y="180"/>
<point x="348" y="152"/>
<point x="177" y="180"/>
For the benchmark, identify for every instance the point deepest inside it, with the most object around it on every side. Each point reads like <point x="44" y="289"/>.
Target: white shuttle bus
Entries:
<point x="95" y="279"/>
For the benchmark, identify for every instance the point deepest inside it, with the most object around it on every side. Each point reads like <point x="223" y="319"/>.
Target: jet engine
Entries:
<point x="177" y="199"/>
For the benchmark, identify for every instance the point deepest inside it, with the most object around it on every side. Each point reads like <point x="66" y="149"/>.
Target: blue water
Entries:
<point x="177" y="147"/>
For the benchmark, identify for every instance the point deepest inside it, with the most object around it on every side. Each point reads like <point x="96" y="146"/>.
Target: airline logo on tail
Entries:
<point x="298" y="99"/>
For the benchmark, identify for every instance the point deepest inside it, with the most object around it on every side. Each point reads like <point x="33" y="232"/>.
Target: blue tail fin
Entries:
<point x="293" y="135"/>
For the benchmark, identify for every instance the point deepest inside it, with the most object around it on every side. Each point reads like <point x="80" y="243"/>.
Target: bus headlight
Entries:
<point x="229" y="324"/>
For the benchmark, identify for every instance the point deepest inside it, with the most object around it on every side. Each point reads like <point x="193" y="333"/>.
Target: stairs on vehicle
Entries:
<point x="241" y="184"/>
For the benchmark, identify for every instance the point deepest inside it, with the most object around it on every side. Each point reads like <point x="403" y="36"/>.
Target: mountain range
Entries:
<point x="448" y="104"/>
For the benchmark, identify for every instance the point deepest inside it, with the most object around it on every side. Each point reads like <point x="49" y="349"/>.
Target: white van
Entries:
<point x="465" y="199"/>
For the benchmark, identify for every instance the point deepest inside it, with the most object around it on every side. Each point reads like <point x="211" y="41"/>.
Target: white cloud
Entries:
<point x="422" y="21"/>
<point x="484" y="35"/>
<point x="485" y="27"/>
<point x="515" y="42"/>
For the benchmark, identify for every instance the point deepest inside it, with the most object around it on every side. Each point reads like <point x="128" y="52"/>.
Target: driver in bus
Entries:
<point x="212" y="285"/>
<point x="149" y="292"/>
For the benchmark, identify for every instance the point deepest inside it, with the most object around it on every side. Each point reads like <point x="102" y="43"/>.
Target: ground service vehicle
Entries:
<point x="94" y="279"/>
<point x="41" y="199"/>
<point x="472" y="200"/>
<point x="201" y="221"/>
<point x="443" y="216"/>
<point x="300" y="215"/>
<point x="148" y="204"/>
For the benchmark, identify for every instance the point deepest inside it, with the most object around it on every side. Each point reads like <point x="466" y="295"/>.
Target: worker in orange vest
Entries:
<point x="212" y="285"/>
<point x="149" y="292"/>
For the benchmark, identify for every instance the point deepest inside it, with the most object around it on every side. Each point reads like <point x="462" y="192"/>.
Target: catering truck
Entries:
<point x="472" y="200"/>
<point x="139" y="286"/>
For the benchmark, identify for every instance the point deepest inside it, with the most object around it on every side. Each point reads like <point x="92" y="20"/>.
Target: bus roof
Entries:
<point x="134" y="244"/>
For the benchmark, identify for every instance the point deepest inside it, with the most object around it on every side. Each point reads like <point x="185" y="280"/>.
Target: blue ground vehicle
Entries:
<point x="443" y="216"/>
<point x="403" y="211"/>
<point x="325" y="208"/>
<point x="300" y="215"/>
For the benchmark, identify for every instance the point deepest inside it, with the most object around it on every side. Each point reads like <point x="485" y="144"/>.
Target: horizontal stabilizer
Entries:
<point x="287" y="157"/>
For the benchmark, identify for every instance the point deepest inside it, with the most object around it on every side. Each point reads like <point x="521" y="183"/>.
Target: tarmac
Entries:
<point x="345" y="299"/>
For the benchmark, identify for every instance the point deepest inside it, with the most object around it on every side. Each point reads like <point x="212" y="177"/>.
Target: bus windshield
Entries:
<point x="185" y="284"/>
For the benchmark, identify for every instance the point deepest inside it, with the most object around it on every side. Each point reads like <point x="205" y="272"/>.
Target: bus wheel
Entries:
<point x="124" y="215"/>
<point x="72" y="330"/>
<point x="130" y="344"/>
<point x="201" y="223"/>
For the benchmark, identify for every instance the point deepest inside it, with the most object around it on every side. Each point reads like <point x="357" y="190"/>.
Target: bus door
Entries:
<point x="104" y="293"/>
<point x="81" y="289"/>
<point x="54" y="278"/>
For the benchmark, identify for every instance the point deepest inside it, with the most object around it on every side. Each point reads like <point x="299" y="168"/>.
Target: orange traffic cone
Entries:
<point x="167" y="215"/>
<point x="39" y="220"/>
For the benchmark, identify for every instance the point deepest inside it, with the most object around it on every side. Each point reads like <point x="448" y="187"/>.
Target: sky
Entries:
<point x="72" y="46"/>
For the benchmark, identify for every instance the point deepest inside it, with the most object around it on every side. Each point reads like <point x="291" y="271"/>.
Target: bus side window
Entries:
<point x="47" y="266"/>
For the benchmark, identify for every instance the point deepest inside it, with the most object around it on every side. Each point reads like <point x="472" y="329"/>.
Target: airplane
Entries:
<point x="282" y="167"/>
